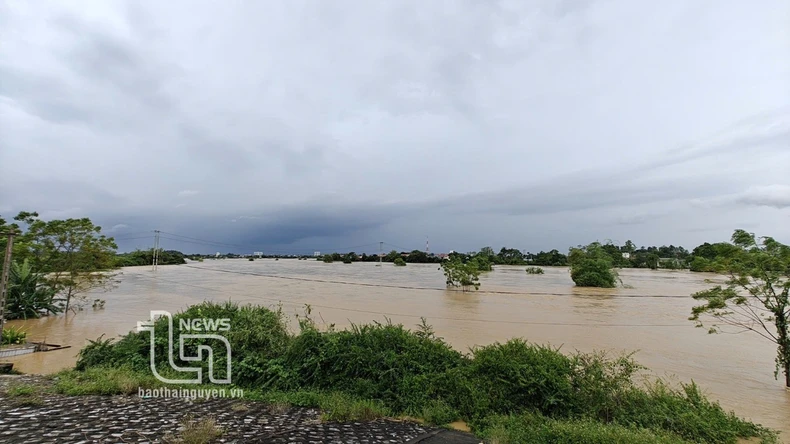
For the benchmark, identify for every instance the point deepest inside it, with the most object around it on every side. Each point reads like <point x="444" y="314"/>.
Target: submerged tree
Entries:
<point x="756" y="295"/>
<point x="460" y="274"/>
<point x="591" y="266"/>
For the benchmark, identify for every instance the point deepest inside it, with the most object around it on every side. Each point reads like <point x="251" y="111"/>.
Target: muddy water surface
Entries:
<point x="650" y="316"/>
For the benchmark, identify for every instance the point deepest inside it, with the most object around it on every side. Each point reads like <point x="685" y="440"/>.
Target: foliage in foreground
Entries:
<point x="757" y="295"/>
<point x="378" y="369"/>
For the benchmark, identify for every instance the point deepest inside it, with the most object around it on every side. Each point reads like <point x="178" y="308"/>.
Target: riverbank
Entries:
<point x="32" y="411"/>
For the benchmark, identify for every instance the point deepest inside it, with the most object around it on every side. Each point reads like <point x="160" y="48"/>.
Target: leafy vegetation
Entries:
<point x="511" y="392"/>
<point x="756" y="295"/>
<point x="534" y="270"/>
<point x="460" y="274"/>
<point x="13" y="336"/>
<point x="592" y="266"/>
<point x="399" y="262"/>
<point x="28" y="294"/>
<point x="146" y="257"/>
<point x="72" y="254"/>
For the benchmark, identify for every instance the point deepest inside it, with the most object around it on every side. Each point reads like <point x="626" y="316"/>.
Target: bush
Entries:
<point x="256" y="336"/>
<point x="511" y="392"/>
<point x="28" y="295"/>
<point x="13" y="336"/>
<point x="380" y="361"/>
<point x="328" y="259"/>
<point x="534" y="270"/>
<point x="399" y="262"/>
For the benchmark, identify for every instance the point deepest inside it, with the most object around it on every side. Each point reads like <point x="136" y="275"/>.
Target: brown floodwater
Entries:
<point x="648" y="316"/>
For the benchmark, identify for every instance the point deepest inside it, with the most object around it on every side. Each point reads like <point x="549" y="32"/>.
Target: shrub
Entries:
<point x="511" y="392"/>
<point x="256" y="335"/>
<point x="13" y="336"/>
<point x="399" y="262"/>
<point x="328" y="259"/>
<point x="534" y="270"/>
<point x="29" y="296"/>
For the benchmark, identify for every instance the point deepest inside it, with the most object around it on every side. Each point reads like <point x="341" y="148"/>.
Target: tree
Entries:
<point x="399" y="262"/>
<point x="73" y="254"/>
<point x="510" y="256"/>
<point x="756" y="295"/>
<point x="459" y="274"/>
<point x="487" y="252"/>
<point x="591" y="266"/>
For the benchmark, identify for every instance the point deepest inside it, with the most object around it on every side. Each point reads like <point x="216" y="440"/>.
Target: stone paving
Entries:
<point x="45" y="418"/>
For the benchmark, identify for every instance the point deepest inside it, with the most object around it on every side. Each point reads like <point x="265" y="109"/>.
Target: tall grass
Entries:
<point x="505" y="391"/>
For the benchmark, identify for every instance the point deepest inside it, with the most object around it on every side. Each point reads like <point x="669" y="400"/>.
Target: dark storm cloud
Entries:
<point x="314" y="124"/>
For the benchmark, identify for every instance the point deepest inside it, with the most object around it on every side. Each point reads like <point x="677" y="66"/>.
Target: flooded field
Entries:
<point x="649" y="316"/>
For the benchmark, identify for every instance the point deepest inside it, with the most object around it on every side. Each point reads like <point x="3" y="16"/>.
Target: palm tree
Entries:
<point x="28" y="294"/>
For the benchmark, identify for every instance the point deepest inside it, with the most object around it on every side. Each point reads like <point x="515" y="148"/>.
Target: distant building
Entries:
<point x="627" y="255"/>
<point x="316" y="253"/>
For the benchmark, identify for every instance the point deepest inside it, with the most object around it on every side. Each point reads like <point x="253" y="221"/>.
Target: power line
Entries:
<point x="408" y="287"/>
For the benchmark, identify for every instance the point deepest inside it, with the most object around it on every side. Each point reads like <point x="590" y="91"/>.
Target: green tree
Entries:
<point x="391" y="256"/>
<point x="756" y="295"/>
<point x="510" y="256"/>
<point x="487" y="252"/>
<point x="591" y="266"/>
<point x="73" y="254"/>
<point x="460" y="274"/>
<point x="399" y="262"/>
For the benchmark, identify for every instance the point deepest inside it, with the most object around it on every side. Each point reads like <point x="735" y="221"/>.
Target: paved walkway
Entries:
<point x="128" y="419"/>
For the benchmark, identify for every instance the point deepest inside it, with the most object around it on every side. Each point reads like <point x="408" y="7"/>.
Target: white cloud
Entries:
<point x="776" y="196"/>
<point x="118" y="227"/>
<point x="187" y="193"/>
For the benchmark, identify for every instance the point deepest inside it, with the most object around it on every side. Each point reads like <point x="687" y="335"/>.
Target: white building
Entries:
<point x="316" y="253"/>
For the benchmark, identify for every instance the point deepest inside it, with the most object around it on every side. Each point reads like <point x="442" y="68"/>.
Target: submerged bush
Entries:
<point x="592" y="266"/>
<point x="399" y="262"/>
<point x="534" y="270"/>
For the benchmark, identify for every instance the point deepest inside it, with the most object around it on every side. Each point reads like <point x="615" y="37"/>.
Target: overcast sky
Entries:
<point x="301" y="126"/>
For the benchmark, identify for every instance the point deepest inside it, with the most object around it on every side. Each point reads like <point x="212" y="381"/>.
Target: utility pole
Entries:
<point x="4" y="278"/>
<point x="156" y="250"/>
<point x="381" y="252"/>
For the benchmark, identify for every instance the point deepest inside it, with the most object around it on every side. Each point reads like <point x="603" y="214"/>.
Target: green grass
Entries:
<point x="526" y="429"/>
<point x="506" y="390"/>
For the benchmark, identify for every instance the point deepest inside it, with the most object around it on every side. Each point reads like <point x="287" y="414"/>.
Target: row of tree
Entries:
<point x="57" y="263"/>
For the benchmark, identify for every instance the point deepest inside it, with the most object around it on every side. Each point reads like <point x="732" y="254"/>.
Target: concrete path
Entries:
<point x="131" y="419"/>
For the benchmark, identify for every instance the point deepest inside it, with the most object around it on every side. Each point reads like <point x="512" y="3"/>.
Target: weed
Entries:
<point x="195" y="431"/>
